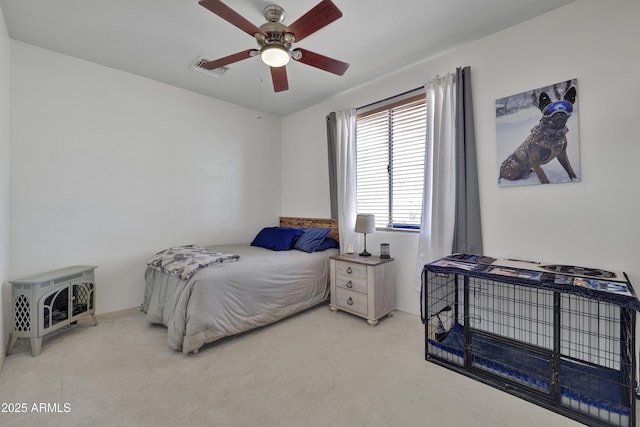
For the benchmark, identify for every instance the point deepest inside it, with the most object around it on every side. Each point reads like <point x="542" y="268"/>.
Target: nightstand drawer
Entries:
<point x="351" y="269"/>
<point x="352" y="283"/>
<point x="351" y="301"/>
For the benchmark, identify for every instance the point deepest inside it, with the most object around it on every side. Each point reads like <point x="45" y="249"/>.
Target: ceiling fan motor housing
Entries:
<point x="274" y="13"/>
<point x="274" y="28"/>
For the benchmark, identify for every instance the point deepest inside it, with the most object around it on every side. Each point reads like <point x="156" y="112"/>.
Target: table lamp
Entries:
<point x="365" y="223"/>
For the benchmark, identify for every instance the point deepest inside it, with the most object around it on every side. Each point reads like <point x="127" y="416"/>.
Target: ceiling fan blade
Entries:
<point x="321" y="15"/>
<point x="217" y="63"/>
<point x="322" y="62"/>
<point x="279" y="77"/>
<point x="231" y="16"/>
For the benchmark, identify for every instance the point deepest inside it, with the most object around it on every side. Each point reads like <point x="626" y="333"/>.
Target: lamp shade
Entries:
<point x="365" y="223"/>
<point x="274" y="55"/>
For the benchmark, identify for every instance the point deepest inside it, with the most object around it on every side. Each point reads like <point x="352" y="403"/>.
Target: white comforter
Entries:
<point x="263" y="286"/>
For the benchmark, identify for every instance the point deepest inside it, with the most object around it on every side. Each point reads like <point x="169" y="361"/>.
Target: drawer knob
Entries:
<point x="349" y="271"/>
<point x="349" y="284"/>
<point x="350" y="301"/>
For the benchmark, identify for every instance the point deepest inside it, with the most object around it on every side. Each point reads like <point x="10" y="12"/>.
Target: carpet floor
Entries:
<point x="316" y="368"/>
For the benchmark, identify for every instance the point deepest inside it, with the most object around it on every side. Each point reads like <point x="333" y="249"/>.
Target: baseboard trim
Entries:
<point x="5" y="348"/>
<point x="416" y="315"/>
<point x="113" y="313"/>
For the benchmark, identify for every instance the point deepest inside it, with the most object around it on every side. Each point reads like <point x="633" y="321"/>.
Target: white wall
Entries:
<point x="5" y="295"/>
<point x="109" y="168"/>
<point x="589" y="223"/>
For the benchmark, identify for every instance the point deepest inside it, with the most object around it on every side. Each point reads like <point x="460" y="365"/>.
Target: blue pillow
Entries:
<point x="277" y="238"/>
<point x="311" y="239"/>
<point x="328" y="243"/>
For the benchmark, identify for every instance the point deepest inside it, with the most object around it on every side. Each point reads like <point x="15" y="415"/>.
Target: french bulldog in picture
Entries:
<point x="547" y="141"/>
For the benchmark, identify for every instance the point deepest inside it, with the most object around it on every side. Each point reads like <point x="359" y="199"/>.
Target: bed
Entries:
<point x="246" y="287"/>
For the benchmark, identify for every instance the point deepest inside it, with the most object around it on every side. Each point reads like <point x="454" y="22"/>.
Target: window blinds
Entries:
<point x="390" y="144"/>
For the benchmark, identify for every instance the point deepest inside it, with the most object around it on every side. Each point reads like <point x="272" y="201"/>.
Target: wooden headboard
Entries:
<point x="287" y="221"/>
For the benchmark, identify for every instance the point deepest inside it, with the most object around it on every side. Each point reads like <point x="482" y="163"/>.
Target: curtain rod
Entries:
<point x="405" y="93"/>
<point x="391" y="97"/>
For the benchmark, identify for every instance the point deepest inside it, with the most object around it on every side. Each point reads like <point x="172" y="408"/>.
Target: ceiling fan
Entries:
<point x="275" y="39"/>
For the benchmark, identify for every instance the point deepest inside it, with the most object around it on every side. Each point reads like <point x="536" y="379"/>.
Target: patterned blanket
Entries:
<point x="185" y="261"/>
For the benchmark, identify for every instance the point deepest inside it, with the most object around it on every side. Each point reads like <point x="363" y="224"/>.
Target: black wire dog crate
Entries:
<point x="562" y="337"/>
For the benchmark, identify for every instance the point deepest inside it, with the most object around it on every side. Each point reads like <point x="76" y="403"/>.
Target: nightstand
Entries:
<point x="364" y="286"/>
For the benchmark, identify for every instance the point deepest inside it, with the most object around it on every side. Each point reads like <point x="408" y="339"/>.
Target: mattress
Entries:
<point x="225" y="299"/>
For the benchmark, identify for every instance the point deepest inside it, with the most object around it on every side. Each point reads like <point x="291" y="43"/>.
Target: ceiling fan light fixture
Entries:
<point x="275" y="55"/>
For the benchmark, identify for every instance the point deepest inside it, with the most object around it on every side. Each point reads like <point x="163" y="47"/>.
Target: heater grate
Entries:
<point x="22" y="314"/>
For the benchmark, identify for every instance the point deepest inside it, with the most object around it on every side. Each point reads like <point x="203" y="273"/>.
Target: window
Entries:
<point x="390" y="144"/>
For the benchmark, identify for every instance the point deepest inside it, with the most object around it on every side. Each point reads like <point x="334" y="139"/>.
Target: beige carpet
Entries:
<point x="317" y="368"/>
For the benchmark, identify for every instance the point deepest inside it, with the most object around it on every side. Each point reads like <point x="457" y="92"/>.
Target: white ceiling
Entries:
<point x="159" y="39"/>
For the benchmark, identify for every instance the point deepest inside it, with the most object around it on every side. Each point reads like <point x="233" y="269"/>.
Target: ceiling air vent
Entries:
<point x="197" y="66"/>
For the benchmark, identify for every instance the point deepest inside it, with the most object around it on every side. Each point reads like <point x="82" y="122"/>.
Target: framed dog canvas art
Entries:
<point x="537" y="136"/>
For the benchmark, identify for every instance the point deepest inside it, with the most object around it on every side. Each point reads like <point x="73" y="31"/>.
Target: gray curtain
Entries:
<point x="468" y="228"/>
<point x="331" y="146"/>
